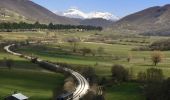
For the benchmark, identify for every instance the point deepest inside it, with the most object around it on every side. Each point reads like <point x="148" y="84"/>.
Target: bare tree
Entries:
<point x="73" y="42"/>
<point x="129" y="58"/>
<point x="86" y="51"/>
<point x="156" y="57"/>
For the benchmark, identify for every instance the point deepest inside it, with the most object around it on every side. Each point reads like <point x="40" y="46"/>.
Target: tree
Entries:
<point x="86" y="51"/>
<point x="8" y="63"/>
<point x="100" y="50"/>
<point x="89" y="73"/>
<point x="47" y="34"/>
<point x="50" y="26"/>
<point x="154" y="75"/>
<point x="37" y="25"/>
<point x="27" y="42"/>
<point x="129" y="57"/>
<point x="131" y="73"/>
<point x="73" y="42"/>
<point x="22" y="25"/>
<point x="158" y="91"/>
<point x="119" y="73"/>
<point x="141" y="77"/>
<point x="155" y="88"/>
<point x="93" y="52"/>
<point x="156" y="57"/>
<point x="103" y="81"/>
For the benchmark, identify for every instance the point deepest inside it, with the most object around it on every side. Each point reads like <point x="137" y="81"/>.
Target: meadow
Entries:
<point x="36" y="85"/>
<point x="115" y="53"/>
<point x="27" y="78"/>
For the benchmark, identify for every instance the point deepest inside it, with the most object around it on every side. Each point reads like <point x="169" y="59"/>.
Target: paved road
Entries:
<point x="83" y="85"/>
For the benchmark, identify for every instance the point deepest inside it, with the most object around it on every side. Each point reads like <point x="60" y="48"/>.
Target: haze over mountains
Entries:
<point x="151" y="21"/>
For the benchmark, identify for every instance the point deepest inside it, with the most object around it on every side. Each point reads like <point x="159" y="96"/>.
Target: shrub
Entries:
<point x="119" y="73"/>
<point x="154" y="75"/>
<point x="90" y="74"/>
<point x="141" y="77"/>
<point x="161" y="45"/>
<point x="8" y="63"/>
<point x="86" y="51"/>
<point x="158" y="91"/>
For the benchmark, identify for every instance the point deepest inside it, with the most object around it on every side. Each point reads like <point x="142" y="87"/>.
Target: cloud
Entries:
<point x="76" y="13"/>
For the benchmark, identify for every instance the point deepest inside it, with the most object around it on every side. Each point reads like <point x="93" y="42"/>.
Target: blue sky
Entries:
<point x="119" y="8"/>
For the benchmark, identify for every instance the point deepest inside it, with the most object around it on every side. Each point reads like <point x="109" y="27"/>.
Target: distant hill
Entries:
<point x="151" y="21"/>
<point x="30" y="11"/>
<point x="11" y="16"/>
<point x="97" y="22"/>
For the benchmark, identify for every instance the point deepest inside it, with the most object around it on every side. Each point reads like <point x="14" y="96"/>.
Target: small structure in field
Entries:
<point x="17" y="96"/>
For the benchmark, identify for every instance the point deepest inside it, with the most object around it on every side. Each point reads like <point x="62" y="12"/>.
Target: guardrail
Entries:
<point x="83" y="85"/>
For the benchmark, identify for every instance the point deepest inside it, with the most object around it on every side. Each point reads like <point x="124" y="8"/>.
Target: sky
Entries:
<point x="119" y="8"/>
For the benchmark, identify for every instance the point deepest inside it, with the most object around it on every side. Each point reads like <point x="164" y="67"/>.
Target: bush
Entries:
<point x="154" y="75"/>
<point x="141" y="77"/>
<point x="155" y="88"/>
<point x="158" y="91"/>
<point x="142" y="48"/>
<point x="161" y="45"/>
<point x="8" y="63"/>
<point x="90" y="74"/>
<point x="86" y="51"/>
<point x="119" y="73"/>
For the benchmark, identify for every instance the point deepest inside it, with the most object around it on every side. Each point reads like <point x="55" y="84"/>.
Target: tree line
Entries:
<point x="50" y="26"/>
<point x="161" y="45"/>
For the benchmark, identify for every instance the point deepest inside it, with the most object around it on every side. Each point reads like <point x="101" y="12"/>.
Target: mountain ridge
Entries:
<point x="77" y="13"/>
<point x="152" y="20"/>
<point x="34" y="12"/>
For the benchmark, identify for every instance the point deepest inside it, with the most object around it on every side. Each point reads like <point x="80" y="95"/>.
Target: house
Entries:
<point x="17" y="96"/>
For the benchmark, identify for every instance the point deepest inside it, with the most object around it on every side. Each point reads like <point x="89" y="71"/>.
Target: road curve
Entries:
<point x="83" y="85"/>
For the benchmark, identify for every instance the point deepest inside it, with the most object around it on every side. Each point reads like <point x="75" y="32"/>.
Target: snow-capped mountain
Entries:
<point x="76" y="13"/>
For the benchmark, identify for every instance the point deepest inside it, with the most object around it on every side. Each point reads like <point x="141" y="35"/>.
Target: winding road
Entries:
<point x="83" y="85"/>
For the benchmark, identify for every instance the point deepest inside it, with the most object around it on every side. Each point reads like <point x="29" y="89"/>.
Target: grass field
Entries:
<point x="124" y="91"/>
<point x="27" y="78"/>
<point x="50" y="52"/>
<point x="62" y="52"/>
<point x="34" y="84"/>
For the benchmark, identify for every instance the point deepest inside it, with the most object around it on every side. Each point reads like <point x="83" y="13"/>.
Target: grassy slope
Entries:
<point x="27" y="78"/>
<point x="37" y="85"/>
<point x="125" y="91"/>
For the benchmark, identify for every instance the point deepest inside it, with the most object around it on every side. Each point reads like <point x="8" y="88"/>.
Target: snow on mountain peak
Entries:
<point x="76" y="13"/>
<point x="104" y="15"/>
